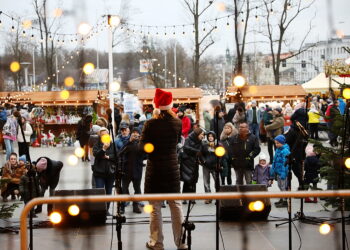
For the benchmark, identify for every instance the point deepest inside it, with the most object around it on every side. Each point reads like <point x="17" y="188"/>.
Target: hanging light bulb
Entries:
<point x="23" y="33"/>
<point x="271" y="11"/>
<point x="289" y="6"/>
<point x="13" y="28"/>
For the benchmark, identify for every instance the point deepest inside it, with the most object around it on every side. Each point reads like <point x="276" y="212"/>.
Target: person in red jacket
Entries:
<point x="186" y="123"/>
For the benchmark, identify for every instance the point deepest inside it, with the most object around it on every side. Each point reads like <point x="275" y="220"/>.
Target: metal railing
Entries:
<point x="158" y="197"/>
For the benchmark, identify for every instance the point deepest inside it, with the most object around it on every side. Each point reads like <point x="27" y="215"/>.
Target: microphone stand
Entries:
<point x="120" y="219"/>
<point x="31" y="175"/>
<point x="189" y="226"/>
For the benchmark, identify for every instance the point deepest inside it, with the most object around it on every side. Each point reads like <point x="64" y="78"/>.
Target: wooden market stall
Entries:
<point x="62" y="110"/>
<point x="267" y="93"/>
<point x="180" y="96"/>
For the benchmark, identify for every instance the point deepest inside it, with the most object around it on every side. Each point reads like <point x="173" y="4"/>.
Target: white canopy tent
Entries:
<point x="321" y="83"/>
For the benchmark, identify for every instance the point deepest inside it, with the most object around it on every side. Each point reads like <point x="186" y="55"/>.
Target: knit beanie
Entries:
<point x="262" y="156"/>
<point x="22" y="158"/>
<point x="41" y="165"/>
<point x="281" y="139"/>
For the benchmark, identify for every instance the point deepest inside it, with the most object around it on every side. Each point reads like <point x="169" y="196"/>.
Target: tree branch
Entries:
<point x="189" y="7"/>
<point x="206" y="35"/>
<point x="210" y="4"/>
<point x="206" y="47"/>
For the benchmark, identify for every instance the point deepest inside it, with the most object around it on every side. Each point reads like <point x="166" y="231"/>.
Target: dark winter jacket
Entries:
<point x="279" y="165"/>
<point x="104" y="167"/>
<point x="131" y="158"/>
<point x="162" y="172"/>
<point x="301" y="116"/>
<point x="190" y="159"/>
<point x="244" y="152"/>
<point x="3" y="116"/>
<point x="312" y="168"/>
<point x="83" y="132"/>
<point x="208" y="156"/>
<point x="51" y="176"/>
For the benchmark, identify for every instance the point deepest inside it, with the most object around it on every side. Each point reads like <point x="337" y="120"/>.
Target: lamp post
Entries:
<point x="25" y="65"/>
<point x="113" y="21"/>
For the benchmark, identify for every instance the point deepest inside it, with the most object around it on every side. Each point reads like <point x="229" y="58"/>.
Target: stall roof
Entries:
<point x="270" y="92"/>
<point x="321" y="83"/>
<point x="83" y="97"/>
<point x="179" y="94"/>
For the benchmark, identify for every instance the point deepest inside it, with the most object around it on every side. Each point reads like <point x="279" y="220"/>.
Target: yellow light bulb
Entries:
<point x="325" y="228"/>
<point x="64" y="94"/>
<point x="69" y="81"/>
<point x="15" y="66"/>
<point x="115" y="86"/>
<point x="88" y="68"/>
<point x="27" y="24"/>
<point x="84" y="28"/>
<point x="347" y="163"/>
<point x="55" y="217"/>
<point x="106" y="138"/>
<point x="239" y="81"/>
<point x="79" y="152"/>
<point x="73" y="210"/>
<point x="258" y="206"/>
<point x="57" y="12"/>
<point x="113" y="20"/>
<point x="149" y="148"/>
<point x="72" y="160"/>
<point x="220" y="151"/>
<point x="346" y="93"/>
<point x="251" y="206"/>
<point x="148" y="209"/>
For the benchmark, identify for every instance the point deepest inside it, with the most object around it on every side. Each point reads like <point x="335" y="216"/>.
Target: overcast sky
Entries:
<point x="173" y="12"/>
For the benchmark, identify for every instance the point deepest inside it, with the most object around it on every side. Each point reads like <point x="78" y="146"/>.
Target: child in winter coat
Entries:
<point x="280" y="168"/>
<point x="312" y="168"/>
<point x="228" y="132"/>
<point x="261" y="173"/>
<point x="209" y="161"/>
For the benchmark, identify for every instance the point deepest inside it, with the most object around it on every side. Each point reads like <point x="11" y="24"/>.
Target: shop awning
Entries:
<point x="269" y="92"/>
<point x="180" y="95"/>
<point x="53" y="98"/>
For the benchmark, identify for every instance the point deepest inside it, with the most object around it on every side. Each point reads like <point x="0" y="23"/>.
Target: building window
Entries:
<point x="267" y="64"/>
<point x="303" y="64"/>
<point x="284" y="63"/>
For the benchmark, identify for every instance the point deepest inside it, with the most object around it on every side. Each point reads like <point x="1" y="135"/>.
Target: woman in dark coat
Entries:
<point x="49" y="175"/>
<point x="83" y="135"/>
<point x="162" y="172"/>
<point x="190" y="160"/>
<point x="105" y="164"/>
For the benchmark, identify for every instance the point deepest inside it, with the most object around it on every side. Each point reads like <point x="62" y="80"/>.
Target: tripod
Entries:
<point x="118" y="185"/>
<point x="188" y="226"/>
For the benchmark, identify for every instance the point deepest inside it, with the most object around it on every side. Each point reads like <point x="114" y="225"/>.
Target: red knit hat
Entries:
<point x="163" y="100"/>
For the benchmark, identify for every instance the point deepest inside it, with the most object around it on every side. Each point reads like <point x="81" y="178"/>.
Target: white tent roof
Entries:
<point x="321" y="83"/>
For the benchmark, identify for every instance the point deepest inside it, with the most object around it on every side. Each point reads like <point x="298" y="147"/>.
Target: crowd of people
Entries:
<point x="181" y="149"/>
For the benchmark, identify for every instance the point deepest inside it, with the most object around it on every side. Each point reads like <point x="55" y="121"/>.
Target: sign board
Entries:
<point x="146" y="66"/>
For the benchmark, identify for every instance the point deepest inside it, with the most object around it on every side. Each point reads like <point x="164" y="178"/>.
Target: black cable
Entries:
<point x="296" y="229"/>
<point x="222" y="239"/>
<point x="111" y="245"/>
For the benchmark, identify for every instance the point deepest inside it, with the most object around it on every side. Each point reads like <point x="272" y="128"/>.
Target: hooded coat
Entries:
<point x="208" y="152"/>
<point x="190" y="159"/>
<point x="279" y="165"/>
<point x="162" y="171"/>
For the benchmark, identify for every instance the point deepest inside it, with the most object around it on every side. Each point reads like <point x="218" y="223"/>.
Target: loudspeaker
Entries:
<point x="90" y="213"/>
<point x="237" y="209"/>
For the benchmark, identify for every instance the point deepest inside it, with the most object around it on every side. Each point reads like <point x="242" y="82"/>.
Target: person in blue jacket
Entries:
<point x="279" y="168"/>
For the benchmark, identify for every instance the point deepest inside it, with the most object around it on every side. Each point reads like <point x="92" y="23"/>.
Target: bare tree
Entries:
<point x="16" y="50"/>
<point x="240" y="33"/>
<point x="47" y="37"/>
<point x="290" y="11"/>
<point x="201" y="44"/>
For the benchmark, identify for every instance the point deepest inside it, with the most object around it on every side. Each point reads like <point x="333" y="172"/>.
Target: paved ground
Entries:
<point x="261" y="235"/>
